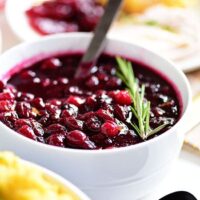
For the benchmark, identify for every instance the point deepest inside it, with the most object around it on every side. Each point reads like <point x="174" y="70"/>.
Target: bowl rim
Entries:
<point x="114" y="150"/>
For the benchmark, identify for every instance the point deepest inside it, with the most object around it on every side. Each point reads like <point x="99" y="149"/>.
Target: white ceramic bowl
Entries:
<point x="120" y="174"/>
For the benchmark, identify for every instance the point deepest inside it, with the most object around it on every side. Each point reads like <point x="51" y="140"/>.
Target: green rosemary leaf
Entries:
<point x="157" y="129"/>
<point x="140" y="107"/>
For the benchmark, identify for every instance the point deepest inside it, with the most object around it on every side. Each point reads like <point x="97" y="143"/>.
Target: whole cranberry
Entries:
<point x="110" y="129"/>
<point x="7" y="96"/>
<point x="63" y="81"/>
<point x="122" y="97"/>
<point x="23" y="96"/>
<point x="44" y="117"/>
<point x="9" y="118"/>
<point x="92" y="82"/>
<point x="10" y="88"/>
<point x="6" y="105"/>
<point x="89" y="16"/>
<point x="56" y="140"/>
<point x="77" y="101"/>
<point x="27" y="131"/>
<point x="76" y="137"/>
<point x="79" y="139"/>
<point x="27" y="75"/>
<point x="103" y="77"/>
<point x="24" y="110"/>
<point x="55" y="102"/>
<point x="46" y="82"/>
<point x="87" y="115"/>
<point x="113" y="83"/>
<point x="123" y="113"/>
<point x="51" y="63"/>
<point x="105" y="114"/>
<point x="37" y="128"/>
<point x="38" y="103"/>
<point x="69" y="110"/>
<point x="54" y="112"/>
<point x="73" y="123"/>
<point x="90" y="103"/>
<point x="21" y="122"/>
<point x="55" y="129"/>
<point x="93" y="124"/>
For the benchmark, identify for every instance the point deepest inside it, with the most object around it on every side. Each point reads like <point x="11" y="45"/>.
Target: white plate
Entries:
<point x="185" y="59"/>
<point x="185" y="176"/>
<point x="15" y="13"/>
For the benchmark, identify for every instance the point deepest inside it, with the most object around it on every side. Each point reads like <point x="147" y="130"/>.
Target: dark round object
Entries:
<point x="180" y="195"/>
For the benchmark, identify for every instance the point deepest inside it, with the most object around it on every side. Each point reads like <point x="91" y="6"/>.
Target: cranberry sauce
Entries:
<point x="45" y="103"/>
<point x="58" y="16"/>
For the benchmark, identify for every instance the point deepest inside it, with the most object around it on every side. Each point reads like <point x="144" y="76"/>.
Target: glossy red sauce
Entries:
<point x="44" y="102"/>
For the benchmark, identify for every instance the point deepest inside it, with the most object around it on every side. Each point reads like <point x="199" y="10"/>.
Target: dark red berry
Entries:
<point x="92" y="82"/>
<point x="9" y="118"/>
<point x="91" y="103"/>
<point x="27" y="131"/>
<point x="105" y="115"/>
<point x="24" y="110"/>
<point x="21" y="122"/>
<point x="37" y="128"/>
<point x="55" y="102"/>
<point x="22" y="96"/>
<point x="77" y="101"/>
<point x="73" y="123"/>
<point x="38" y="103"/>
<point x="54" y="112"/>
<point x="69" y="111"/>
<point x="6" y="105"/>
<point x="110" y="129"/>
<point x="7" y="96"/>
<point x="27" y="74"/>
<point x="123" y="113"/>
<point x="55" y="129"/>
<point x="122" y="97"/>
<point x="78" y="139"/>
<point x="44" y="117"/>
<point x="56" y="140"/>
<point x="113" y="83"/>
<point x="52" y="63"/>
<point x="93" y="124"/>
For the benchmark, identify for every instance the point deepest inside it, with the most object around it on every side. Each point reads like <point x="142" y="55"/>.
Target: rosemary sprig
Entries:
<point x="141" y="107"/>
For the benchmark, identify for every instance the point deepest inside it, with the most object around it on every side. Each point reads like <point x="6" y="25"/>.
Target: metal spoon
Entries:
<point x="98" y="40"/>
<point x="181" y="195"/>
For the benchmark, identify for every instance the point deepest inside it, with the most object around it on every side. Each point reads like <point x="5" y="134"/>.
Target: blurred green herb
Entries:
<point x="162" y="26"/>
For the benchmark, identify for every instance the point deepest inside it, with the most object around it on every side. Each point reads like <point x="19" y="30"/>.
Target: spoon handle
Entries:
<point x="101" y="31"/>
<point x="97" y="43"/>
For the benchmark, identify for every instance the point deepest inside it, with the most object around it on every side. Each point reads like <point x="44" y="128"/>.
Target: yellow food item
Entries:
<point x="178" y="3"/>
<point x="132" y="6"/>
<point x="19" y="181"/>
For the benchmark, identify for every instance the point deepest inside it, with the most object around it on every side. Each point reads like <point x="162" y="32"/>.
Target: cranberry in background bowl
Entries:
<point x="41" y="17"/>
<point x="122" y="173"/>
